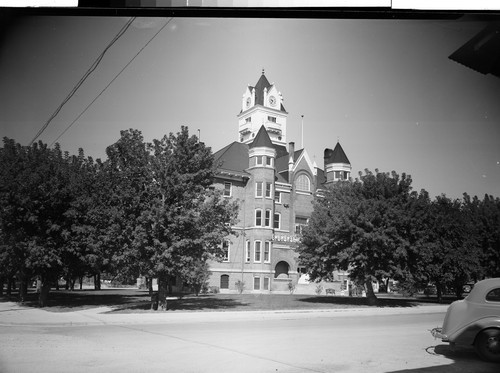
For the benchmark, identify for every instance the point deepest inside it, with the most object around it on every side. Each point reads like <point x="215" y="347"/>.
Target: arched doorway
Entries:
<point x="281" y="270"/>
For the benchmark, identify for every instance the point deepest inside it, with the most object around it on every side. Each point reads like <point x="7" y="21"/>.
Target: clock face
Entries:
<point x="248" y="102"/>
<point x="272" y="101"/>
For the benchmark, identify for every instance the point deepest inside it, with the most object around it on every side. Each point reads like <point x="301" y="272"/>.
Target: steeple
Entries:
<point x="262" y="105"/>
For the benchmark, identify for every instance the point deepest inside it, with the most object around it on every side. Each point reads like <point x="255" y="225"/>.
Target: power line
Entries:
<point x="83" y="78"/>
<point x="111" y="82"/>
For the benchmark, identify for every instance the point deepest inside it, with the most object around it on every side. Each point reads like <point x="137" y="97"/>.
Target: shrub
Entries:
<point x="240" y="285"/>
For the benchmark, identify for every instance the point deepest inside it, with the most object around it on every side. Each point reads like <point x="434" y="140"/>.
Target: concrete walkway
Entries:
<point x="13" y="314"/>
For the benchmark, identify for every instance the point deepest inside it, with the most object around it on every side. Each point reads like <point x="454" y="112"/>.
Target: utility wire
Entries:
<point x="111" y="82"/>
<point x="83" y="78"/>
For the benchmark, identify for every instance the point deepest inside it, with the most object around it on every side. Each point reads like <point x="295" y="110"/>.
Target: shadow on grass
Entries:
<point x="361" y="302"/>
<point x="190" y="303"/>
<point x="135" y="300"/>
<point x="67" y="301"/>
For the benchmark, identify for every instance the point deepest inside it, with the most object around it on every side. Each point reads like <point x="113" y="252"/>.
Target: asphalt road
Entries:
<point x="345" y="343"/>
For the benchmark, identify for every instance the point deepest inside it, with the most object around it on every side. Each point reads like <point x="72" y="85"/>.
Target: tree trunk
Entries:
<point x="68" y="281"/>
<point x="97" y="281"/>
<point x="162" y="292"/>
<point x="80" y="279"/>
<point x="1" y="285"/>
<point x="23" y="290"/>
<point x="370" y="294"/>
<point x="439" y="292"/>
<point x="72" y="284"/>
<point x="44" y="294"/>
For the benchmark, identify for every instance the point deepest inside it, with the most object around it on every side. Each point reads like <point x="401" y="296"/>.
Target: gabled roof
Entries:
<point x="262" y="139"/>
<point x="336" y="155"/>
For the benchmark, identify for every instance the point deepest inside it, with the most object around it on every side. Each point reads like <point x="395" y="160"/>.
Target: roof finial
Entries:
<point x="262" y="71"/>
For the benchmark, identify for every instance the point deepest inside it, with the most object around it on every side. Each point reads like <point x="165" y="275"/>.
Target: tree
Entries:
<point x="360" y="226"/>
<point x="449" y="253"/>
<point x="34" y="197"/>
<point x="169" y="216"/>
<point x="485" y="216"/>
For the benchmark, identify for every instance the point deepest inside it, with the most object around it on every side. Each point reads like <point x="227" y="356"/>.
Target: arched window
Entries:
<point x="281" y="270"/>
<point x="224" y="282"/>
<point x="303" y="183"/>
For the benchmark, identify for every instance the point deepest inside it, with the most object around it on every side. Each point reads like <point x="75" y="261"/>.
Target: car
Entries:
<point x="475" y="320"/>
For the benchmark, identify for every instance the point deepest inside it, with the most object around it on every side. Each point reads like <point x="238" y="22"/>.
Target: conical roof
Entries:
<point x="262" y="139"/>
<point x="337" y="155"/>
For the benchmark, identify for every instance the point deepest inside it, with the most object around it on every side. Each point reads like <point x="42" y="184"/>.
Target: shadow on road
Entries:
<point x="463" y="358"/>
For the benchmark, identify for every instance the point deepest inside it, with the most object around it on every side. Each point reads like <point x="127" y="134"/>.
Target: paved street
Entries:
<point x="349" y="341"/>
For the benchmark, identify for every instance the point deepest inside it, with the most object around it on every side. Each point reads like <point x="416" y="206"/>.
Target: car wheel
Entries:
<point x="487" y="345"/>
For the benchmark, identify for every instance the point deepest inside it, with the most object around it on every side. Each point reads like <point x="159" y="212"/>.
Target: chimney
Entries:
<point x="291" y="151"/>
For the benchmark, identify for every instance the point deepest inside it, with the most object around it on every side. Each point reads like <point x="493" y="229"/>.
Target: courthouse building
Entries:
<point x="275" y="184"/>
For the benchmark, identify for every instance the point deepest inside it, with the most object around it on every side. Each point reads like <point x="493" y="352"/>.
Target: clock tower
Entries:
<point x="262" y="105"/>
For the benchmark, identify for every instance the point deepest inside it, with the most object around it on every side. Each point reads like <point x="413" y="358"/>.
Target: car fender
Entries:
<point x="468" y="334"/>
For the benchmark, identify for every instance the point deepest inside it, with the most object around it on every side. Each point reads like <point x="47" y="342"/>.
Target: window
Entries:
<point x="266" y="283"/>
<point x="493" y="296"/>
<point x="256" y="283"/>
<point x="300" y="222"/>
<point x="224" y="282"/>
<point x="277" y="197"/>
<point x="258" y="189"/>
<point x="337" y="175"/>
<point x="247" y="252"/>
<point x="269" y="188"/>
<point x="258" y="160"/>
<point x="271" y="119"/>
<point x="225" y="251"/>
<point x="248" y="120"/>
<point x="256" y="257"/>
<point x="303" y="183"/>
<point x="346" y="175"/>
<point x="267" y="221"/>
<point x="227" y="189"/>
<point x="269" y="161"/>
<point x="267" y="251"/>
<point x="277" y="221"/>
<point x="258" y="218"/>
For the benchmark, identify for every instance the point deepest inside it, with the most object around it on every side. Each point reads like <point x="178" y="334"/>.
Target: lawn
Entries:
<point x="138" y="301"/>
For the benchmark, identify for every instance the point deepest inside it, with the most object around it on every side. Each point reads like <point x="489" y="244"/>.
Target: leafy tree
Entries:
<point x="485" y="216"/>
<point x="360" y="226"/>
<point x="168" y="215"/>
<point x="34" y="197"/>
<point x="450" y="255"/>
<point x="196" y="275"/>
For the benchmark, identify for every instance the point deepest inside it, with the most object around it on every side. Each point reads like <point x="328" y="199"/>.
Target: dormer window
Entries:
<point x="248" y="120"/>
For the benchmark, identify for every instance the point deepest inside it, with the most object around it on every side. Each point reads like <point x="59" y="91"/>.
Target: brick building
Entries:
<point x="275" y="185"/>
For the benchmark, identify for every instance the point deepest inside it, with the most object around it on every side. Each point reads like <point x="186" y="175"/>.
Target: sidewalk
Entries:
<point x="13" y="314"/>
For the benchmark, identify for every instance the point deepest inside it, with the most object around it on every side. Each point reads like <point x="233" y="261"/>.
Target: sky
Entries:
<point x="385" y="89"/>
